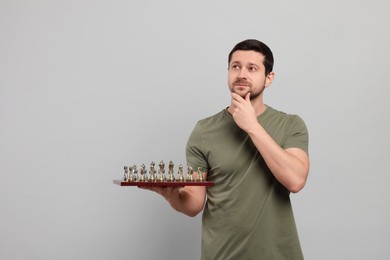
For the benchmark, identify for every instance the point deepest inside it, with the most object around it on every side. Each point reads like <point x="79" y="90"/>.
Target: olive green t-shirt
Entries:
<point x="248" y="213"/>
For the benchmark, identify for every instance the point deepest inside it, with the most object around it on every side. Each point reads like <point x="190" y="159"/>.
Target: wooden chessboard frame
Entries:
<point x="163" y="184"/>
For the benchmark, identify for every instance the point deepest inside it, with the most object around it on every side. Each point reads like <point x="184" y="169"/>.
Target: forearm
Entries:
<point x="290" y="167"/>
<point x="189" y="200"/>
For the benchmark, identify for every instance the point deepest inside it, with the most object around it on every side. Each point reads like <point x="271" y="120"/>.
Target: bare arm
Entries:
<point x="289" y="166"/>
<point x="189" y="200"/>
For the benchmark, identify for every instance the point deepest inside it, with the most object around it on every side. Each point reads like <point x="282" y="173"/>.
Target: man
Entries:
<point x="256" y="156"/>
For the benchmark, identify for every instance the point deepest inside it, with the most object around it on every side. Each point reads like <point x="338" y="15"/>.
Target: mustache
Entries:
<point x="241" y="82"/>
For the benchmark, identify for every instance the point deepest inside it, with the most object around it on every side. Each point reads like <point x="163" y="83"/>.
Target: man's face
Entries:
<point x="247" y="74"/>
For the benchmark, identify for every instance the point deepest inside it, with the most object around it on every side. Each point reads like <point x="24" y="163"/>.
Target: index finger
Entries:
<point x="237" y="97"/>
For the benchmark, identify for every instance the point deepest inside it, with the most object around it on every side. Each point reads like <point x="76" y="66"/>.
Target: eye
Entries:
<point x="252" y="69"/>
<point x="235" y="66"/>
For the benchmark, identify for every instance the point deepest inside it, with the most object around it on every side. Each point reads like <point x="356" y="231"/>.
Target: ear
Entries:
<point x="269" y="78"/>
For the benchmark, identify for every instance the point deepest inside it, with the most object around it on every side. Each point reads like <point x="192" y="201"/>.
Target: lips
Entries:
<point x="241" y="85"/>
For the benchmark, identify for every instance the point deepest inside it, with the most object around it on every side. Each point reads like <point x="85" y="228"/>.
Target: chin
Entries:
<point x="241" y="92"/>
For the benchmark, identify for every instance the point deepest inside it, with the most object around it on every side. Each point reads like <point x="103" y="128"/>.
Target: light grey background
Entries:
<point x="89" y="86"/>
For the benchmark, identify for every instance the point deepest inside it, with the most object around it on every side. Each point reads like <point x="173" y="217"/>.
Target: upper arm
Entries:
<point x="297" y="135"/>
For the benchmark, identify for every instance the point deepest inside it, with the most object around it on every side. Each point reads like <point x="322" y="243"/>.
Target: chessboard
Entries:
<point x="163" y="184"/>
<point x="158" y="178"/>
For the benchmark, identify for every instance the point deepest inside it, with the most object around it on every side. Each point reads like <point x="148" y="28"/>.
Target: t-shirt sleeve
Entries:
<point x="297" y="134"/>
<point x="194" y="149"/>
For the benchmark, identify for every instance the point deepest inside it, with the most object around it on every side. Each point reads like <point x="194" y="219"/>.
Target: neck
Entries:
<point x="260" y="109"/>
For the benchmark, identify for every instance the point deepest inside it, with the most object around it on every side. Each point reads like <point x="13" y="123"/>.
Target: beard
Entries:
<point x="242" y="88"/>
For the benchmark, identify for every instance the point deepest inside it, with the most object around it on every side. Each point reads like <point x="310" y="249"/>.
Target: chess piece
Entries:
<point x="171" y="177"/>
<point x="189" y="177"/>
<point x="134" y="174"/>
<point x="142" y="170"/>
<point x="152" y="173"/>
<point x="130" y="175"/>
<point x="125" y="173"/>
<point x="180" y="174"/>
<point x="200" y="175"/>
<point x="161" y="172"/>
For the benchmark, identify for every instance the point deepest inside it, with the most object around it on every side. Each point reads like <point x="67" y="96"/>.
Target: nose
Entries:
<point x="242" y="74"/>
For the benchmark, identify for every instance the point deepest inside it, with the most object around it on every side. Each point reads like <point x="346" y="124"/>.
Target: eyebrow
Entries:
<point x="253" y="64"/>
<point x="250" y="63"/>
